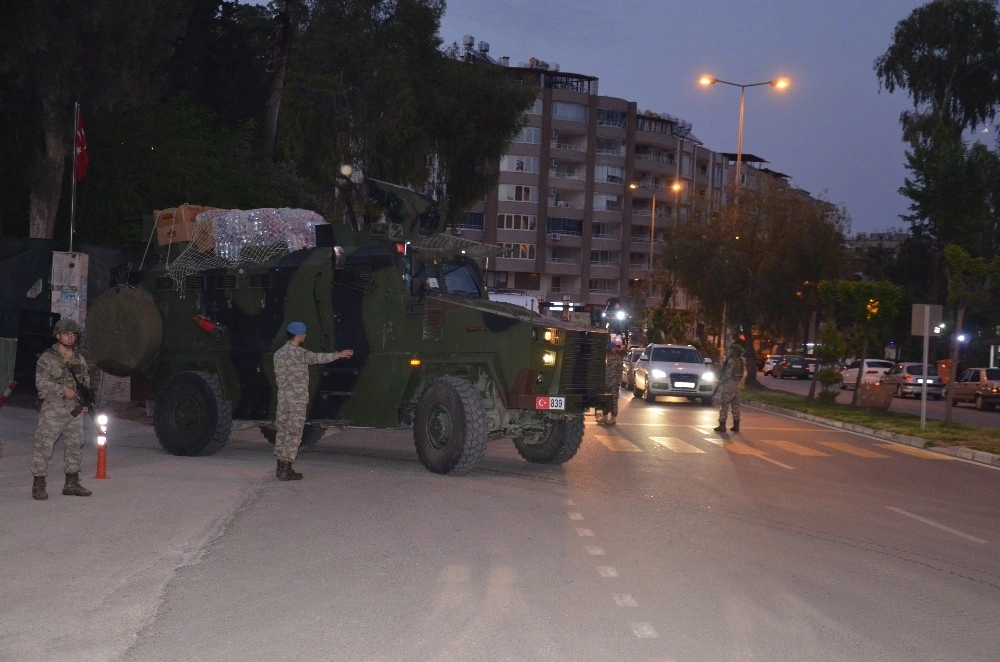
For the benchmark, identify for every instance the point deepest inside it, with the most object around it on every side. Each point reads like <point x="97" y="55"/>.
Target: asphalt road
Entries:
<point x="962" y="413"/>
<point x="660" y="540"/>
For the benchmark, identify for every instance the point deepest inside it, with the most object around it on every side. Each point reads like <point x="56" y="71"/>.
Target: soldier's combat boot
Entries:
<point x="285" y="471"/>
<point x="721" y="428"/>
<point x="736" y="426"/>
<point x="38" y="492"/>
<point x="73" y="486"/>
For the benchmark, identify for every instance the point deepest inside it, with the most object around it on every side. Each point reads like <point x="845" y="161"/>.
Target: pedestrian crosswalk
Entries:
<point x="767" y="448"/>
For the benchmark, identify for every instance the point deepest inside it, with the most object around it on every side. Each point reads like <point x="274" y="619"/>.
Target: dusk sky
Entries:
<point x="833" y="131"/>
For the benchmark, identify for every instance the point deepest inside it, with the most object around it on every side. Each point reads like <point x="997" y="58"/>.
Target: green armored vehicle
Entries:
<point x="431" y="351"/>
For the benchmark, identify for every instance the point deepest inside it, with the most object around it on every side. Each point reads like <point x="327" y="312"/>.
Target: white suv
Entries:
<point x="677" y="370"/>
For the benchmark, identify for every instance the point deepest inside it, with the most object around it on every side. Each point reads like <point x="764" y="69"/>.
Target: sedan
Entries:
<point x="791" y="366"/>
<point x="871" y="372"/>
<point x="908" y="379"/>
<point x="628" y="367"/>
<point x="980" y="386"/>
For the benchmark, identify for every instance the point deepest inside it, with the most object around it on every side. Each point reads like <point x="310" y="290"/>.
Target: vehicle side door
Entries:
<point x="965" y="385"/>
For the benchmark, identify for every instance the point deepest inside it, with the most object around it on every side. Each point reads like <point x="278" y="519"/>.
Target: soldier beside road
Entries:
<point x="58" y="375"/>
<point x="291" y="375"/>
<point x="732" y="373"/>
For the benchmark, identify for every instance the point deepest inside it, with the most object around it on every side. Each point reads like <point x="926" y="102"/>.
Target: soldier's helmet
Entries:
<point x="66" y="326"/>
<point x="736" y="349"/>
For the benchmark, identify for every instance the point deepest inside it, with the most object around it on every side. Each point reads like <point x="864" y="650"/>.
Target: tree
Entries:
<point x="864" y="311"/>
<point x="970" y="281"/>
<point x="946" y="54"/>
<point x="104" y="53"/>
<point x="753" y="258"/>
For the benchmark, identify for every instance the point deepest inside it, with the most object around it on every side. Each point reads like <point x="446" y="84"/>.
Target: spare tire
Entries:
<point x="123" y="331"/>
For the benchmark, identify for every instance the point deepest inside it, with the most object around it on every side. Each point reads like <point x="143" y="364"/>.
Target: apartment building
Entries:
<point x="587" y="191"/>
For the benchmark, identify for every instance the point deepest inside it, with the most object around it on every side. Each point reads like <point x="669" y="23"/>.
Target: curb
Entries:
<point x="960" y="452"/>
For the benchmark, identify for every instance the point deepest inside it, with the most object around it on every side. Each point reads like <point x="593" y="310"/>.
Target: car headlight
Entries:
<point x="708" y="377"/>
<point x="658" y="374"/>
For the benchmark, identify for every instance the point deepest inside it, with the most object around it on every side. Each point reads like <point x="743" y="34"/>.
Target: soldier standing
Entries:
<point x="733" y="370"/>
<point x="60" y="368"/>
<point x="291" y="375"/>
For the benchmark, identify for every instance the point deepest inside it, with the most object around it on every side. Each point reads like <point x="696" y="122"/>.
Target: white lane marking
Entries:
<point x="915" y="452"/>
<point x="607" y="571"/>
<point x="742" y="449"/>
<point x="625" y="600"/>
<point x="792" y="447"/>
<point x="617" y="444"/>
<point x="643" y="630"/>
<point x="936" y="525"/>
<point x="595" y="551"/>
<point x="576" y="516"/>
<point x="676" y="445"/>
<point x="850" y="449"/>
<point x="584" y="533"/>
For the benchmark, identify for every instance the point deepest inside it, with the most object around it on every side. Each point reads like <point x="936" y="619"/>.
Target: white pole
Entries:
<point x="927" y="342"/>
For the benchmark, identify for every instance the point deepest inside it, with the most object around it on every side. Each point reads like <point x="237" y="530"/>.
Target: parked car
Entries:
<point x="791" y="365"/>
<point x="628" y="367"/>
<point x="907" y="379"/>
<point x="980" y="386"/>
<point x="769" y="362"/>
<point x="871" y="372"/>
<point x="813" y="365"/>
<point x="677" y="370"/>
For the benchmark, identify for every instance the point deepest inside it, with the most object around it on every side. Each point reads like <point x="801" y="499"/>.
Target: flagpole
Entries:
<point x="72" y="199"/>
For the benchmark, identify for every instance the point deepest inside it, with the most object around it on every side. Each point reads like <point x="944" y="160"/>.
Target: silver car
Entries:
<point x="907" y="379"/>
<point x="677" y="370"/>
<point x="628" y="367"/>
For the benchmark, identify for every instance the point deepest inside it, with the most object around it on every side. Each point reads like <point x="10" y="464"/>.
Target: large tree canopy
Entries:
<point x="946" y="55"/>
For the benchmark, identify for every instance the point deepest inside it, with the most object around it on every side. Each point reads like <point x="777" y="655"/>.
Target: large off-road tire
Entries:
<point x="561" y="444"/>
<point x="311" y="434"/>
<point x="450" y="429"/>
<point x="191" y="416"/>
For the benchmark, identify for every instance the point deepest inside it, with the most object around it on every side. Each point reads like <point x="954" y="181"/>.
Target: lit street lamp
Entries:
<point x="779" y="83"/>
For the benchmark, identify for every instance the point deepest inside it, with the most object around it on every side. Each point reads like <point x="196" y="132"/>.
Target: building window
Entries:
<point x="536" y="108"/>
<point x="517" y="251"/>
<point x="606" y="202"/>
<point x="610" y="174"/>
<point x="565" y="110"/>
<point x="603" y="286"/>
<point x="570" y="226"/>
<point x="516" y="221"/>
<point x="518" y="163"/>
<point x="518" y="193"/>
<point x="610" y="146"/>
<point x="471" y="220"/>
<point x="608" y="117"/>
<point x="531" y="135"/>
<point x="604" y="258"/>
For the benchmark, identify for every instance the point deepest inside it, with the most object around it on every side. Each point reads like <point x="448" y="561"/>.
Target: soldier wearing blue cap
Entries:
<point x="291" y="375"/>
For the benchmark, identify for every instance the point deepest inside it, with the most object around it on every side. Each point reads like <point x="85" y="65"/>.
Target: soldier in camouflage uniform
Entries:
<point x="729" y="387"/>
<point x="54" y="379"/>
<point x="291" y="374"/>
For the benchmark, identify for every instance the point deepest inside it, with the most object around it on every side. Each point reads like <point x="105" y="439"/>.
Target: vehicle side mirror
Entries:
<point x="707" y="361"/>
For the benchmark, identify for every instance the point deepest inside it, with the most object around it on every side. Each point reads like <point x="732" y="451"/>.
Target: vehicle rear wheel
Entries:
<point x="980" y="405"/>
<point x="558" y="446"/>
<point x="191" y="416"/>
<point x="450" y="428"/>
<point x="311" y="434"/>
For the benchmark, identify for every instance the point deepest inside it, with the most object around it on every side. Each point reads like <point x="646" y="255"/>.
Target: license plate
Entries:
<point x="684" y="384"/>
<point x="550" y="403"/>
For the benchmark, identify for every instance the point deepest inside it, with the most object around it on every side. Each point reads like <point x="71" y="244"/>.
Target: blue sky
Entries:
<point x="832" y="131"/>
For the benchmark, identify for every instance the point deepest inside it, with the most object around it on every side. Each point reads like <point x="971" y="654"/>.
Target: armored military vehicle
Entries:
<point x="431" y="351"/>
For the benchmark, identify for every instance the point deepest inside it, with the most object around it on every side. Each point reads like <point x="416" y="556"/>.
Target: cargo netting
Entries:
<point x="225" y="238"/>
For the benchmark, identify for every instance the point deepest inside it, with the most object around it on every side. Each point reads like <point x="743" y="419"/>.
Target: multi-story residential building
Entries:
<point x="587" y="191"/>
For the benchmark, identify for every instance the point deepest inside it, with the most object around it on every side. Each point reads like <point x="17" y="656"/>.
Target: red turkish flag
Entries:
<point x="82" y="158"/>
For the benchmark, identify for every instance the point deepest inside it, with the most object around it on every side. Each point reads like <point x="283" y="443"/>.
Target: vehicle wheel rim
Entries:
<point x="440" y="427"/>
<point x="187" y="414"/>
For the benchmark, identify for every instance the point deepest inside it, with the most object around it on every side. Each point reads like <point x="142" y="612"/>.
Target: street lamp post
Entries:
<point x="779" y="83"/>
<point x="676" y="188"/>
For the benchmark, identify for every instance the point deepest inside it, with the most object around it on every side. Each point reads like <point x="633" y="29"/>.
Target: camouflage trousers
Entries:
<point x="54" y="422"/>
<point x="729" y="396"/>
<point x="290" y="419"/>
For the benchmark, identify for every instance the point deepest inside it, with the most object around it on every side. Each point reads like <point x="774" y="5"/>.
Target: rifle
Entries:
<point x="84" y="398"/>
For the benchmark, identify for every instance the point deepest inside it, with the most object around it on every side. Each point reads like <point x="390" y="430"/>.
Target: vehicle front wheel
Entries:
<point x="450" y="428"/>
<point x="561" y="442"/>
<point x="191" y="416"/>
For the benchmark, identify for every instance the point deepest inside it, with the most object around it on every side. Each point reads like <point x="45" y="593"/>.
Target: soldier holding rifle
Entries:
<point x="63" y="383"/>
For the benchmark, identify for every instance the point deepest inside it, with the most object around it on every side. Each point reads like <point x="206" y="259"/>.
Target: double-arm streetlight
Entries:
<point x="779" y="83"/>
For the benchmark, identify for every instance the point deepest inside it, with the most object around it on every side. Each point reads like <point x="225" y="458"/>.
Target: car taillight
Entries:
<point x="907" y="378"/>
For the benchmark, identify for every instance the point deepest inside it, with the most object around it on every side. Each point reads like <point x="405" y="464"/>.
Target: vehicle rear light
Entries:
<point x="907" y="378"/>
